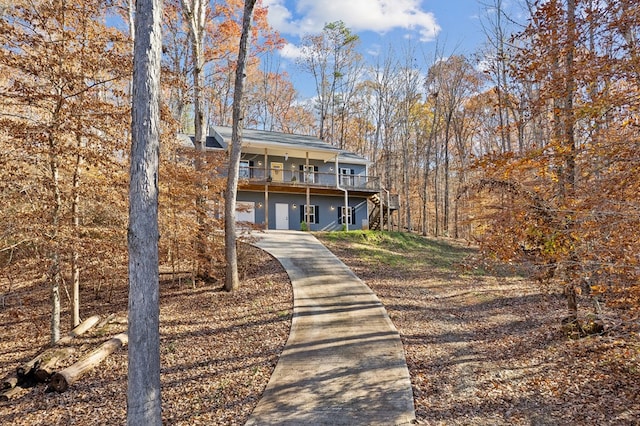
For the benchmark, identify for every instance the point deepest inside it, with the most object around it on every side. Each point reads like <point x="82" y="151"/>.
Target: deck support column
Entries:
<point x="306" y="181"/>
<point x="266" y="191"/>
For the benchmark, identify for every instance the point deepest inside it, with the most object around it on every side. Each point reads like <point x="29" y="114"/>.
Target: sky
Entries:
<point x="451" y="26"/>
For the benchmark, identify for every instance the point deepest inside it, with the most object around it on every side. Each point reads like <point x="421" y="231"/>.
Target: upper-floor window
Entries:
<point x="245" y="169"/>
<point x="308" y="173"/>
<point x="346" y="176"/>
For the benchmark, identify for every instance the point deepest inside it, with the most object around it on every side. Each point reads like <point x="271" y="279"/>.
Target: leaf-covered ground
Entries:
<point x="217" y="350"/>
<point x="482" y="348"/>
<point x="485" y="348"/>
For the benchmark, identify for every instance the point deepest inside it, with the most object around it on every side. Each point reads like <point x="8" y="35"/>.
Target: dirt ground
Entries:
<point x="484" y="349"/>
<point x="481" y="349"/>
<point x="217" y="350"/>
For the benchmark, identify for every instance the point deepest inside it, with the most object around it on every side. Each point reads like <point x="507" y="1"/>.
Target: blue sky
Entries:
<point x="454" y="26"/>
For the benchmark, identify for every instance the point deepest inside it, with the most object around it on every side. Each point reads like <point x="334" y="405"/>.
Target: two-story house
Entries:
<point x="296" y="182"/>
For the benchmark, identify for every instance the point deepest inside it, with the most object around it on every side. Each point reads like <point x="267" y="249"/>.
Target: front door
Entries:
<point x="276" y="172"/>
<point x="282" y="216"/>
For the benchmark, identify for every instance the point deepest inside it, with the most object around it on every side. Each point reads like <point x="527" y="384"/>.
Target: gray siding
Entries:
<point x="328" y="209"/>
<point x="291" y="166"/>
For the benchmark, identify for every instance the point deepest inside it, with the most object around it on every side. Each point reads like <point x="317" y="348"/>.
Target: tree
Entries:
<point x="231" y="256"/>
<point x="195" y="13"/>
<point x="330" y="57"/>
<point x="143" y="392"/>
<point x="497" y="61"/>
<point x="569" y="211"/>
<point x="59" y="104"/>
<point x="454" y="80"/>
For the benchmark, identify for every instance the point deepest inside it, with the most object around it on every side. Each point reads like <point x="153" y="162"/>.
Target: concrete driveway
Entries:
<point x="344" y="363"/>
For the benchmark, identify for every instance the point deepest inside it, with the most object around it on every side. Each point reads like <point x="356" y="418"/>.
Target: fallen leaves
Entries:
<point x="485" y="349"/>
<point x="217" y="353"/>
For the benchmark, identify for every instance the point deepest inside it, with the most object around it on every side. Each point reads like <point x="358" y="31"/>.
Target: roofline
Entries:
<point x="327" y="153"/>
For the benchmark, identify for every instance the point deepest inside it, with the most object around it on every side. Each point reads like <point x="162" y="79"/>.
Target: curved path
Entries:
<point x="343" y="363"/>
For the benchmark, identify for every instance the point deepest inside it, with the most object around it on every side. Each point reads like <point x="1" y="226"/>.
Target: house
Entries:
<point x="294" y="182"/>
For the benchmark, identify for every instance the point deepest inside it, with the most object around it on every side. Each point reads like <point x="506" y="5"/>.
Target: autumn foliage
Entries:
<point x="568" y="202"/>
<point x="531" y="151"/>
<point x="65" y="95"/>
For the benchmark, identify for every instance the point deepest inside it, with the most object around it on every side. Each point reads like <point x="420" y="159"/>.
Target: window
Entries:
<point x="314" y="214"/>
<point x="308" y="173"/>
<point x="346" y="176"/>
<point x="245" y="169"/>
<point x="350" y="213"/>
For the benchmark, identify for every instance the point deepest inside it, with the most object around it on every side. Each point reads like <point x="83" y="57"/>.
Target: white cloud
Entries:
<point x="291" y="51"/>
<point x="374" y="50"/>
<point x="310" y="16"/>
<point x="278" y="14"/>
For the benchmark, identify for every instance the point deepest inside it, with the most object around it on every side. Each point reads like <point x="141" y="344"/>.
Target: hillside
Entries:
<point x="482" y="347"/>
<point x="217" y="349"/>
<point x="488" y="348"/>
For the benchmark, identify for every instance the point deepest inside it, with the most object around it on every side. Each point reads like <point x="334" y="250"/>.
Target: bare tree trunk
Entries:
<point x="55" y="249"/>
<point x="143" y="393"/>
<point x="430" y="143"/>
<point x="569" y="118"/>
<point x="436" y="193"/>
<point x="445" y="210"/>
<point x="75" y="255"/>
<point x="425" y="201"/>
<point x="232" y="281"/>
<point x="406" y="180"/>
<point x="195" y="14"/>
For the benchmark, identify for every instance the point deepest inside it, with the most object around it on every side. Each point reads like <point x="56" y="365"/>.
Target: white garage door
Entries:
<point x="245" y="211"/>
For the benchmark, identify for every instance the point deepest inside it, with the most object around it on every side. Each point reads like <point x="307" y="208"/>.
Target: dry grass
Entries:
<point x="485" y="348"/>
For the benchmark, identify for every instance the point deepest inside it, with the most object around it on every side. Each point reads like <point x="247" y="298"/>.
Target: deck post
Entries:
<point x="266" y="191"/>
<point x="306" y="181"/>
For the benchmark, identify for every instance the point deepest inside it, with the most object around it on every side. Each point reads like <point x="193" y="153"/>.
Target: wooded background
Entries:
<point x="528" y="148"/>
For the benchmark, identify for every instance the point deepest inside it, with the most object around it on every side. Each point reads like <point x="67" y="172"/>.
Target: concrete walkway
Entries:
<point x="344" y="363"/>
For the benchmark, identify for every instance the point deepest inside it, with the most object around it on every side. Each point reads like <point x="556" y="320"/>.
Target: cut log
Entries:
<point x="47" y="365"/>
<point x="9" y="382"/>
<point x="61" y="380"/>
<point x="11" y="393"/>
<point x="26" y="373"/>
<point x="106" y="321"/>
<point x="80" y="329"/>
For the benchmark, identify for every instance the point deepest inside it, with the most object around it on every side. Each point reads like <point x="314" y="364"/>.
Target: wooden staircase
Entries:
<point x="380" y="208"/>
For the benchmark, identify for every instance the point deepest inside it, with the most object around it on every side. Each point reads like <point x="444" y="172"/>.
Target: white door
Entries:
<point x="282" y="216"/>
<point x="246" y="211"/>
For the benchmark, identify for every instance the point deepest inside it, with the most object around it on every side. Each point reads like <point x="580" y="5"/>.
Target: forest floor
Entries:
<point x="482" y="347"/>
<point x="217" y="349"/>
<point x="488" y="347"/>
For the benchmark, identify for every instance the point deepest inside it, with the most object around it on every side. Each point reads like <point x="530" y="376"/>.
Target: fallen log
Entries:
<point x="106" y="321"/>
<point x="26" y="373"/>
<point x="61" y="380"/>
<point x="9" y="382"/>
<point x="11" y="393"/>
<point x="44" y="371"/>
<point x="79" y="330"/>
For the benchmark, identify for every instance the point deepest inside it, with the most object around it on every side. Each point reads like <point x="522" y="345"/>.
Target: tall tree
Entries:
<point x="570" y="214"/>
<point x="62" y="61"/>
<point x="232" y="281"/>
<point x="143" y="392"/>
<point x="455" y="80"/>
<point x="195" y="13"/>
<point x="497" y="67"/>
<point x="329" y="57"/>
